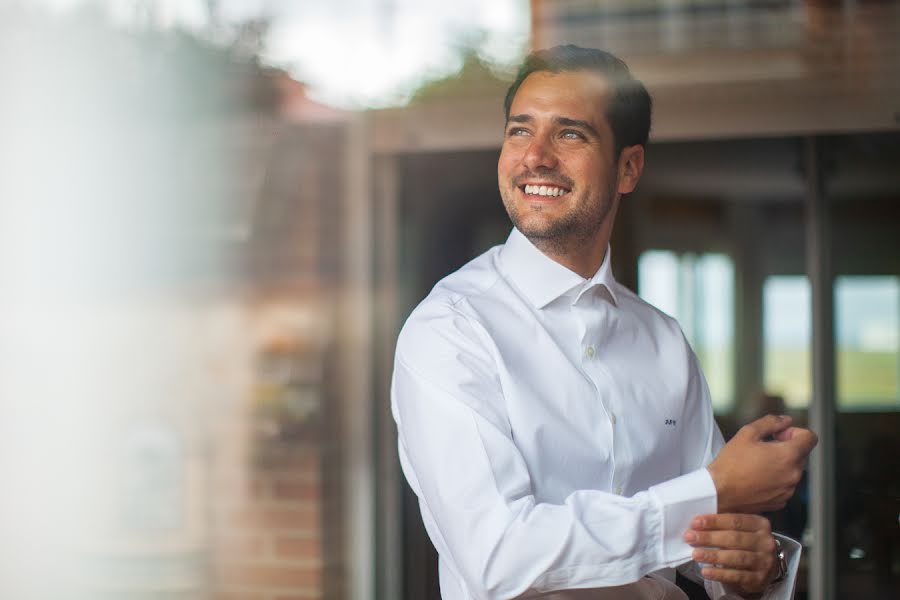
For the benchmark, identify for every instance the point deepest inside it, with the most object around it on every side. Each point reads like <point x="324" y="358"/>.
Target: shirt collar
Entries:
<point x="541" y="279"/>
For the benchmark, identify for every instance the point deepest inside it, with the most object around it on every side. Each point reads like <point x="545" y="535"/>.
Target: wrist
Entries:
<point x="722" y="501"/>
<point x="743" y="593"/>
<point x="776" y="574"/>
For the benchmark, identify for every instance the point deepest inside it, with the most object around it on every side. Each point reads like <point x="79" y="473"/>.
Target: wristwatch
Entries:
<point x="780" y="560"/>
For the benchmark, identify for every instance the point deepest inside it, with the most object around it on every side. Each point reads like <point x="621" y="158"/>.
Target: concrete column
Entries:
<point x="389" y="482"/>
<point x="355" y="365"/>
<point x="822" y="403"/>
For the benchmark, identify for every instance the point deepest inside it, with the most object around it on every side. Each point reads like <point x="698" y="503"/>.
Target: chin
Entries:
<point x="535" y="228"/>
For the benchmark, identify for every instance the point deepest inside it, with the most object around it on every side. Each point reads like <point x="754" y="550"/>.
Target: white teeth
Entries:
<point x="543" y="190"/>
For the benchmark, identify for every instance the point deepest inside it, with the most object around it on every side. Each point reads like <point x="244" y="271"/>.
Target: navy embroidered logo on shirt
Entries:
<point x="670" y="422"/>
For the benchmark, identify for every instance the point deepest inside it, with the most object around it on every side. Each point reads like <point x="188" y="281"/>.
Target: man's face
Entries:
<point x="557" y="172"/>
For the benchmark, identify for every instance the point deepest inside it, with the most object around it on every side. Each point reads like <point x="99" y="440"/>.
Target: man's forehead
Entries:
<point x="582" y="93"/>
<point x="588" y="76"/>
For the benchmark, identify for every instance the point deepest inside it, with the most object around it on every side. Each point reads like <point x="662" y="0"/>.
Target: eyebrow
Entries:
<point x="565" y="121"/>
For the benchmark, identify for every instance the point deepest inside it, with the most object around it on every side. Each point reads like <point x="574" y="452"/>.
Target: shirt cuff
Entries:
<point x="679" y="500"/>
<point x="783" y="590"/>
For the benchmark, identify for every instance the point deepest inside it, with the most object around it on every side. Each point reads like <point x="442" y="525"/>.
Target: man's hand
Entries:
<point x="739" y="548"/>
<point x="756" y="474"/>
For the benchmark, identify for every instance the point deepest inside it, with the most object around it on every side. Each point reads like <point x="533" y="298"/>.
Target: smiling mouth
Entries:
<point x="552" y="191"/>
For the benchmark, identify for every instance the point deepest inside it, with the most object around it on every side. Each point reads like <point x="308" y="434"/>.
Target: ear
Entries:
<point x="630" y="167"/>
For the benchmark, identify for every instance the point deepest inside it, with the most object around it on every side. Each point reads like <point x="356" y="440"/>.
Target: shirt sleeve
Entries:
<point x="705" y="440"/>
<point x="458" y="453"/>
<point x="701" y="440"/>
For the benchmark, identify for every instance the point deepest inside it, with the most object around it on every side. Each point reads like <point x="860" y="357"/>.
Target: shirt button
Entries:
<point x="590" y="351"/>
<point x="618" y="490"/>
<point x="612" y="418"/>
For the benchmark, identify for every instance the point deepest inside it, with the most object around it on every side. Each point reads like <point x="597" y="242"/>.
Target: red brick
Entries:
<point x="309" y="463"/>
<point x="293" y="477"/>
<point x="236" y="488"/>
<point x="297" y="547"/>
<point x="266" y="576"/>
<point x="299" y="517"/>
<point x="278" y="489"/>
<point x="296" y="518"/>
<point x="295" y="490"/>
<point x="237" y="595"/>
<point x="239" y="546"/>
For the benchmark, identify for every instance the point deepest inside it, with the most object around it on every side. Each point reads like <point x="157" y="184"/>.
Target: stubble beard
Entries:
<point x="567" y="234"/>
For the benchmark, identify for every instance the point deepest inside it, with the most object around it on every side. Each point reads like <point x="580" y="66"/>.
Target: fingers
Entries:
<point x="734" y="559"/>
<point x="749" y="571"/>
<point x="752" y="473"/>
<point x="766" y="426"/>
<point x="732" y="521"/>
<point x="732" y="540"/>
<point x="747" y="581"/>
<point x="740" y="548"/>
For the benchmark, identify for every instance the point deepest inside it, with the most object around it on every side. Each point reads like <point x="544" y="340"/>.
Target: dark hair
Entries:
<point x="628" y="110"/>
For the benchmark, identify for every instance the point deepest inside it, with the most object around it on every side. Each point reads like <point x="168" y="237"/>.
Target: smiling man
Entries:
<point x="557" y="429"/>
<point x="562" y="192"/>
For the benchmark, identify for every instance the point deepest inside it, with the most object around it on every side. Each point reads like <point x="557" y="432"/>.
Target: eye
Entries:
<point x="516" y="131"/>
<point x="571" y="134"/>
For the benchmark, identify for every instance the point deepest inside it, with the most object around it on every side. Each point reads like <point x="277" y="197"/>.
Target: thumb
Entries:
<point x="787" y="434"/>
<point x="768" y="425"/>
<point x="804" y="439"/>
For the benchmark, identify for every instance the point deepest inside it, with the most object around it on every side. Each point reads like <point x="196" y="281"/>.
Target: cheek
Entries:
<point x="511" y="153"/>
<point x="505" y="170"/>
<point x="583" y="168"/>
<point x="590" y="173"/>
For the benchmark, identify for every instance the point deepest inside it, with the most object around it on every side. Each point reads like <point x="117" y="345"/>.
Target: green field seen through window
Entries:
<point x="867" y="361"/>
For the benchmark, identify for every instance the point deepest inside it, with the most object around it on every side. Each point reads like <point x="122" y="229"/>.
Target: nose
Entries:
<point x="540" y="153"/>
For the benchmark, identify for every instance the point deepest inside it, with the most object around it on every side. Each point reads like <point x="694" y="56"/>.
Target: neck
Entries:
<point x="582" y="256"/>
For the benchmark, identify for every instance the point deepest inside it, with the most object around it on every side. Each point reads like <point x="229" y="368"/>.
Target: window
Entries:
<point x="787" y="337"/>
<point x="867" y="337"/>
<point x="698" y="291"/>
<point x="867" y="340"/>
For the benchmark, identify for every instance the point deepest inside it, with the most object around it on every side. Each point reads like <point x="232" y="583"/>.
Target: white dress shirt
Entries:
<point x="555" y="429"/>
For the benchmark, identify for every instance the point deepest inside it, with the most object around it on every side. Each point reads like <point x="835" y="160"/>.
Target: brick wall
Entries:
<point x="268" y="531"/>
<point x="266" y="535"/>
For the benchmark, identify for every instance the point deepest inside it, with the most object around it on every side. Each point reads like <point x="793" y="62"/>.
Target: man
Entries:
<point x="557" y="429"/>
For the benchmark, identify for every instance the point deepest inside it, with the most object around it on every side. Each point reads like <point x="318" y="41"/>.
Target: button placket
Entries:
<point x="592" y="328"/>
